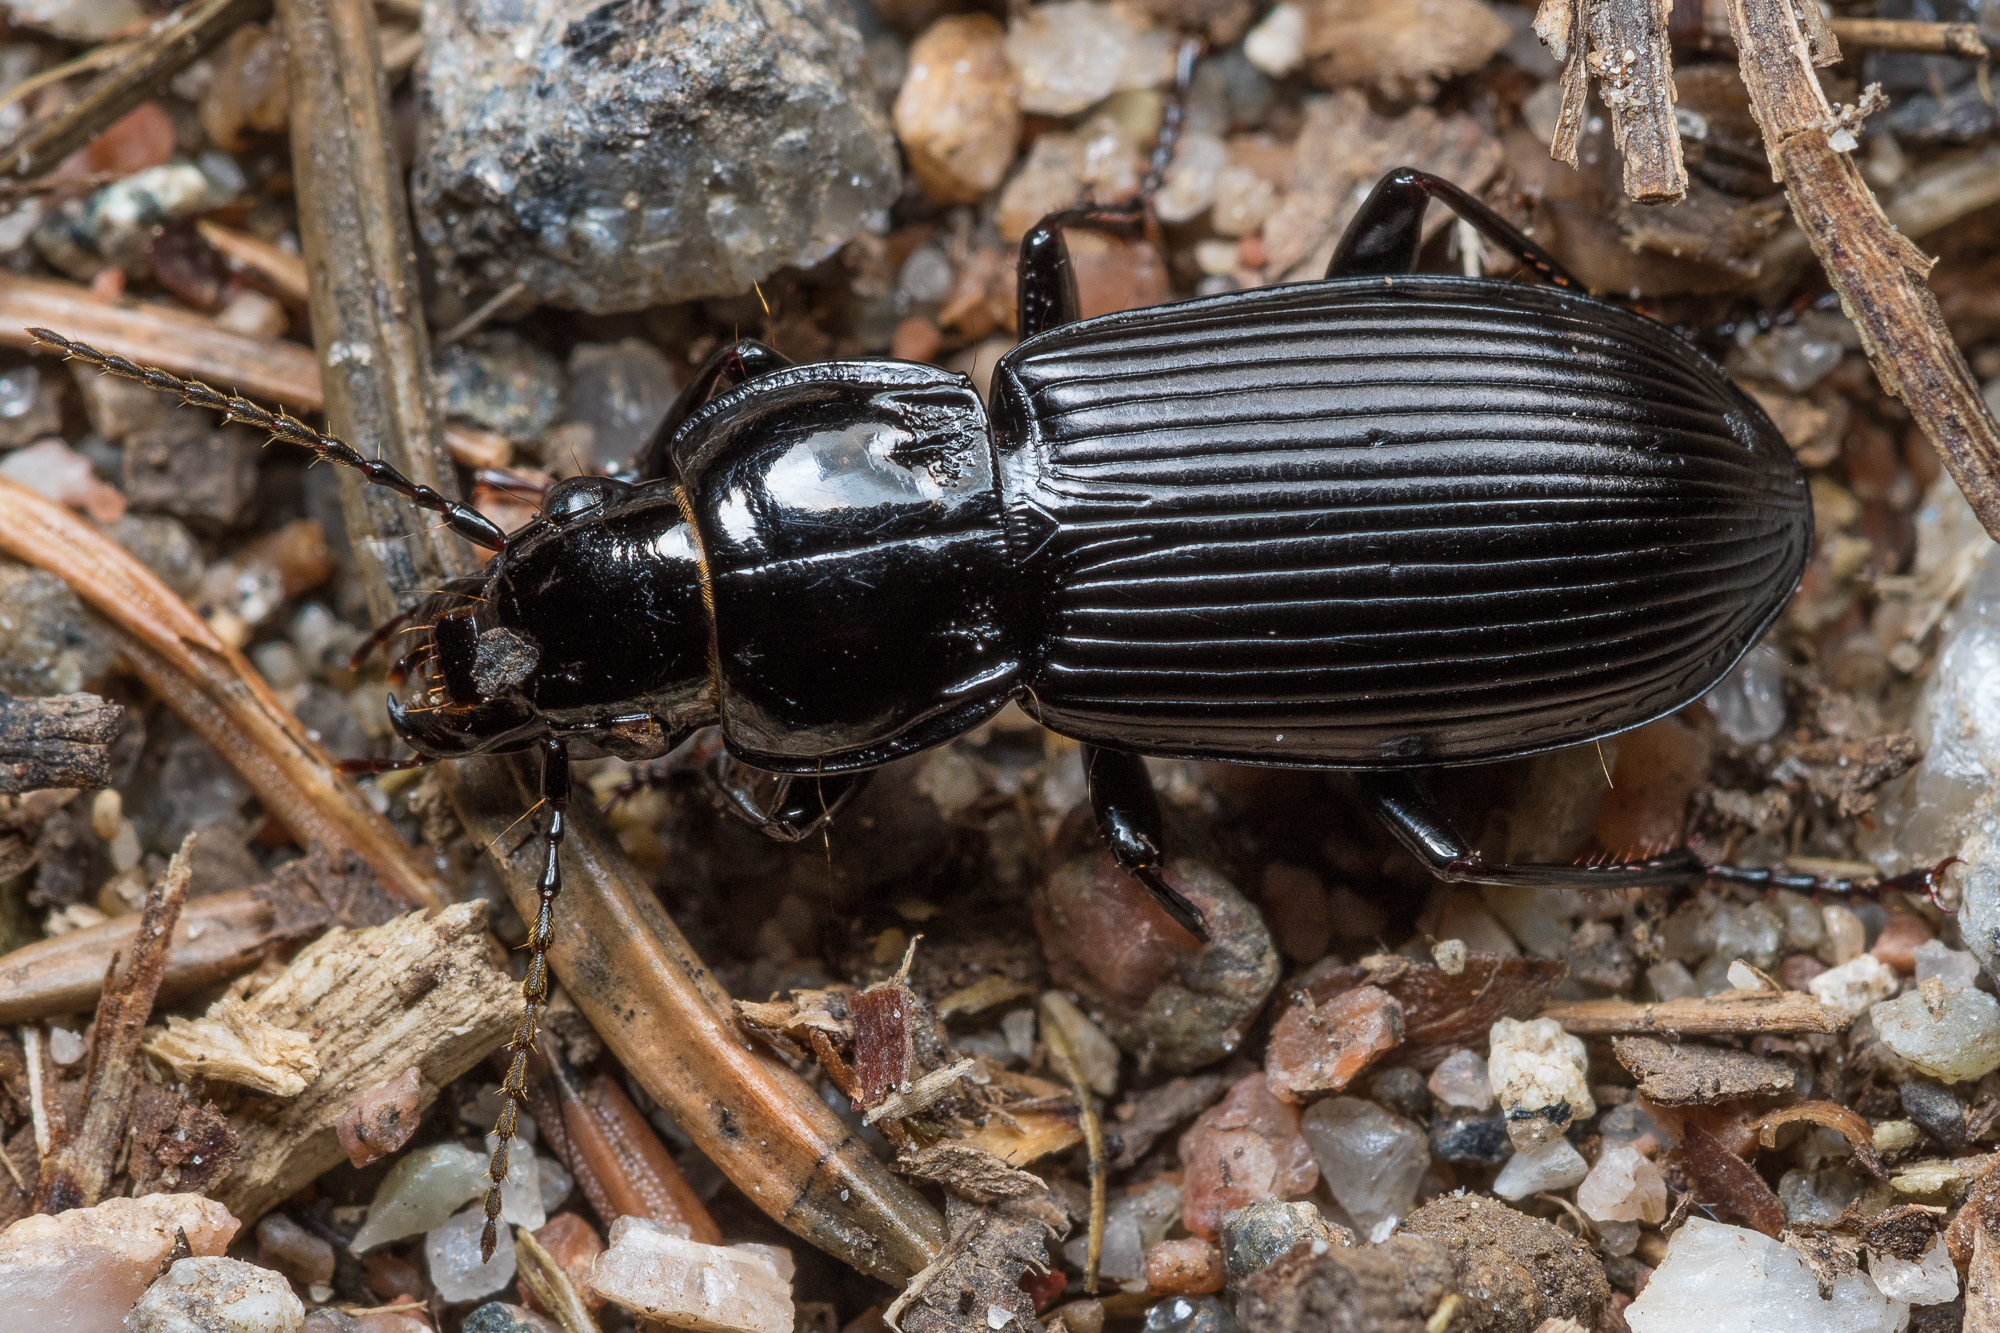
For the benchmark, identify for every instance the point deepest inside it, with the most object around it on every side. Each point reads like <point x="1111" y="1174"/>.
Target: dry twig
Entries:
<point x="660" y="1010"/>
<point x="142" y="70"/>
<point x="1738" y="1011"/>
<point x="75" y="1174"/>
<point x="286" y="272"/>
<point x="1878" y="272"/>
<point x="59" y="741"/>
<point x="1939" y="39"/>
<point x="371" y="1002"/>
<point x="1623" y="45"/>
<point x="367" y="319"/>
<point x="193" y="345"/>
<point x="210" y="684"/>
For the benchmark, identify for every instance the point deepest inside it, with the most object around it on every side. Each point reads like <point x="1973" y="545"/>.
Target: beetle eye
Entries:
<point x="575" y="498"/>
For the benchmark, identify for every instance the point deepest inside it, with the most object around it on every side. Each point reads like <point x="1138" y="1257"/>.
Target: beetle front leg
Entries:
<point x="534" y="988"/>
<point x="790" y="809"/>
<point x="1412" y="814"/>
<point x="726" y="367"/>
<point x="1388" y="231"/>
<point x="1128" y="818"/>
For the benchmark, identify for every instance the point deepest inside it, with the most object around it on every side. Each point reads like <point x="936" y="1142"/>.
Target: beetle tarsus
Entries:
<point x="534" y="987"/>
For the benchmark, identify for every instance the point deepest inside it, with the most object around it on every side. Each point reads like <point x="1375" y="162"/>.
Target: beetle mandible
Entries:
<point x="1383" y="522"/>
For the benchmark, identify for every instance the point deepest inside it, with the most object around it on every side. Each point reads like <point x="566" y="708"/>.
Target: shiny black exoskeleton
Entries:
<point x="1381" y="522"/>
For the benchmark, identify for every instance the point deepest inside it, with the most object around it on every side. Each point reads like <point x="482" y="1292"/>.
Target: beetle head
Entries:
<point x="458" y="691"/>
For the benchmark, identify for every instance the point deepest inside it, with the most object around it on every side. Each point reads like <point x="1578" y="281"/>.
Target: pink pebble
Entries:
<point x="1245" y="1149"/>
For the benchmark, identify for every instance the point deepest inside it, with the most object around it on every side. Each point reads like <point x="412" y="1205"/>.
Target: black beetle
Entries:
<point x="1381" y="522"/>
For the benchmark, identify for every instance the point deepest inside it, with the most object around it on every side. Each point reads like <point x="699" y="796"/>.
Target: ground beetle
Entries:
<point x="1382" y="522"/>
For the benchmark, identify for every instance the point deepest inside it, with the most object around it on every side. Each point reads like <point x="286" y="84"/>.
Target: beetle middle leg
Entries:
<point x="1406" y="806"/>
<point x="534" y="987"/>
<point x="1128" y="818"/>
<point x="1386" y="234"/>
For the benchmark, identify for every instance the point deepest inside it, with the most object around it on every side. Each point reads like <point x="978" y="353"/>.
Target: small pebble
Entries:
<point x="1723" y="1279"/>
<point x="1463" y="1135"/>
<point x="300" y="1255"/>
<point x="1266" y="1231"/>
<point x="1956" y="968"/>
<point x="1189" y="187"/>
<point x="1932" y="1280"/>
<point x="1191" y="1314"/>
<point x="574" y="1244"/>
<point x="1556" y="1165"/>
<point x="54" y="470"/>
<point x="1096" y="1054"/>
<point x="1243" y="200"/>
<point x="84" y="1268"/>
<point x="1134" y="1221"/>
<point x="1461" y="1080"/>
<point x="1246" y="1148"/>
<point x="1854" y="985"/>
<point x="1749" y="704"/>
<point x="1623" y="1186"/>
<point x="1846" y="937"/>
<point x="1941" y="1114"/>
<point x="1189" y="1267"/>
<point x="1538" y="1073"/>
<point x="420" y="1192"/>
<point x="381" y="1119"/>
<point x="218" y="1295"/>
<point x="1371" y="1160"/>
<point x="959" y="111"/>
<point x="500" y="1317"/>
<point x="691" y="1285"/>
<point x="1952" y="1035"/>
<point x="1671" y="981"/>
<point x="1072" y="54"/>
<point x="452" y="1252"/>
<point x="1902" y="934"/>
<point x="65" y="1047"/>
<point x="1323" y="1048"/>
<point x="1277" y="45"/>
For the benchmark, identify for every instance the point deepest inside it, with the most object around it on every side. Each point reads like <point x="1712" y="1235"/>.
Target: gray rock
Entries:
<point x="1266" y="1231"/>
<point x="217" y="1295"/>
<point x="163" y="545"/>
<point x="621" y="391"/>
<point x="49" y="644"/>
<point x="615" y="156"/>
<point x="28" y="407"/>
<point x="186" y="467"/>
<point x="501" y="381"/>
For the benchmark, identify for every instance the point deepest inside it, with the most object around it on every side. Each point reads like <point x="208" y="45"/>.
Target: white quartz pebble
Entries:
<point x="1539" y="1073"/>
<point x="1953" y="1035"/>
<point x="1854" y="985"/>
<point x="1556" y="1165"/>
<point x="686" y="1284"/>
<point x="1724" y="1279"/>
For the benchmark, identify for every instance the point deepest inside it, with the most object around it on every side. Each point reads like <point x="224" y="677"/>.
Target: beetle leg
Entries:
<point x="1128" y="818"/>
<point x="1386" y="234"/>
<point x="789" y="807"/>
<point x="727" y="366"/>
<point x="1406" y="806"/>
<point x="534" y="988"/>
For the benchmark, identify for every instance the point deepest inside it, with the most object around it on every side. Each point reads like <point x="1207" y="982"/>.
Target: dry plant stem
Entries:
<point x="1633" y="65"/>
<point x="285" y="271"/>
<point x="368" y="326"/>
<point x="1623" y="45"/>
<point x="171" y="47"/>
<point x="213" y="687"/>
<point x="75" y="1174"/>
<point x="192" y="345"/>
<point x="1093" y="1138"/>
<point x="218" y="937"/>
<point x="1878" y="272"/>
<point x="618" y="1161"/>
<point x="412" y="992"/>
<point x="1758" y="1011"/>
<point x="659" y="1009"/>
<point x="1940" y="39"/>
<point x="551" y="1285"/>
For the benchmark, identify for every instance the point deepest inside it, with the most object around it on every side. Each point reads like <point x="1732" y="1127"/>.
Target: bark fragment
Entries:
<point x="63" y="740"/>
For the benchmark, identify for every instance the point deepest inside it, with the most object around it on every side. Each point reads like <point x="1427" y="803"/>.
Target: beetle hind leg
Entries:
<point x="1388" y="231"/>
<point x="1128" y="818"/>
<point x="1412" y="814"/>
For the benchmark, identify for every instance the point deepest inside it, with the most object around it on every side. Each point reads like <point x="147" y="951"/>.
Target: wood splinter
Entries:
<point x="1623" y="45"/>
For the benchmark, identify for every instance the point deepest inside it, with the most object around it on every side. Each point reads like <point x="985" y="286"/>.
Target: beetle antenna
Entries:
<point x="1170" y="122"/>
<point x="467" y="522"/>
